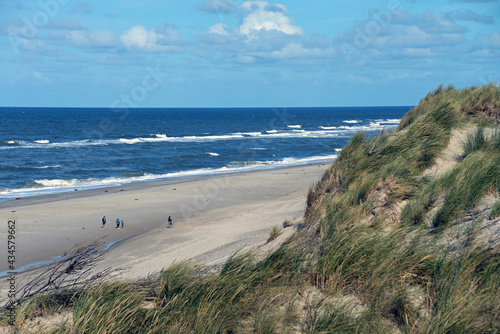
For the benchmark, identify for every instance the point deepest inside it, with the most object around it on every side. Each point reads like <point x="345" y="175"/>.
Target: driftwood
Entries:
<point x="72" y="271"/>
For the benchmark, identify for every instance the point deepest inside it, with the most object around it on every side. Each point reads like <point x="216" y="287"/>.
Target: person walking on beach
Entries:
<point x="170" y="222"/>
<point x="103" y="221"/>
<point x="123" y="224"/>
<point x="117" y="222"/>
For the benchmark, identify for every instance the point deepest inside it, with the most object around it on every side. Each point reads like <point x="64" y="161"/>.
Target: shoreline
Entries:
<point x="26" y="193"/>
<point x="49" y="225"/>
<point x="136" y="185"/>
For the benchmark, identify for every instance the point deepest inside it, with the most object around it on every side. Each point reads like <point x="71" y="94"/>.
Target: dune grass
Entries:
<point x="474" y="142"/>
<point x="461" y="188"/>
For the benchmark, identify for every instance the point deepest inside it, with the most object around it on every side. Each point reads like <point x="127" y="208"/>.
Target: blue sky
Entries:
<point x="233" y="53"/>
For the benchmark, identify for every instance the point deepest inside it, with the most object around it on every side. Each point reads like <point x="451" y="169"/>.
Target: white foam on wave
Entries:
<point x="130" y="141"/>
<point x="36" y="167"/>
<point x="391" y="121"/>
<point x="379" y="122"/>
<point x="45" y="167"/>
<point x="351" y="121"/>
<point x="212" y="154"/>
<point x="249" y="134"/>
<point x="313" y="159"/>
<point x="57" y="186"/>
<point x="155" y="138"/>
<point x="55" y="183"/>
<point x="295" y="131"/>
<point x="43" y="141"/>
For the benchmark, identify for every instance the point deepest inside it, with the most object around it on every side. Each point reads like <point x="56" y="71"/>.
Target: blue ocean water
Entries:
<point x="52" y="150"/>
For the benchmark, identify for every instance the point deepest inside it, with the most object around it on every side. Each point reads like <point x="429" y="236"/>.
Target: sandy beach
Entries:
<point x="213" y="217"/>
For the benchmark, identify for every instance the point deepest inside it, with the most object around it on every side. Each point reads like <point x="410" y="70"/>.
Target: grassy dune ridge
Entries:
<point x="383" y="248"/>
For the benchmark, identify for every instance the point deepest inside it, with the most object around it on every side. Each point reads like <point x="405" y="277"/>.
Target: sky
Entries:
<point x="233" y="53"/>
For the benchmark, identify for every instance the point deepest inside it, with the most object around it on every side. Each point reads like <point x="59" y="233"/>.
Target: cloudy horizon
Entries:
<point x="226" y="53"/>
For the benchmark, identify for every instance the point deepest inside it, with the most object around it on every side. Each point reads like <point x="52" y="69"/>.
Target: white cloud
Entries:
<point x="262" y="16"/>
<point x="266" y="32"/>
<point x="219" y="29"/>
<point x="296" y="50"/>
<point x="140" y="39"/>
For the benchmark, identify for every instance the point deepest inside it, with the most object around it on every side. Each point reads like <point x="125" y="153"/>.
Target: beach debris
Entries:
<point x="72" y="271"/>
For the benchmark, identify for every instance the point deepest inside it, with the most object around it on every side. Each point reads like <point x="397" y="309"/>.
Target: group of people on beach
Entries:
<point x="118" y="222"/>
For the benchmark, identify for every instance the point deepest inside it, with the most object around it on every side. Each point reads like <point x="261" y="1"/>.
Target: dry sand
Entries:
<point x="213" y="217"/>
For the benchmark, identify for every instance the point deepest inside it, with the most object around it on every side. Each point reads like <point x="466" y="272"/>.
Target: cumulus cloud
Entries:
<point x="262" y="16"/>
<point x="140" y="39"/>
<point x="58" y="33"/>
<point x="266" y="33"/>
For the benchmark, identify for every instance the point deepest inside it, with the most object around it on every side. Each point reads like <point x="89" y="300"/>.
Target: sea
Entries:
<point x="55" y="150"/>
